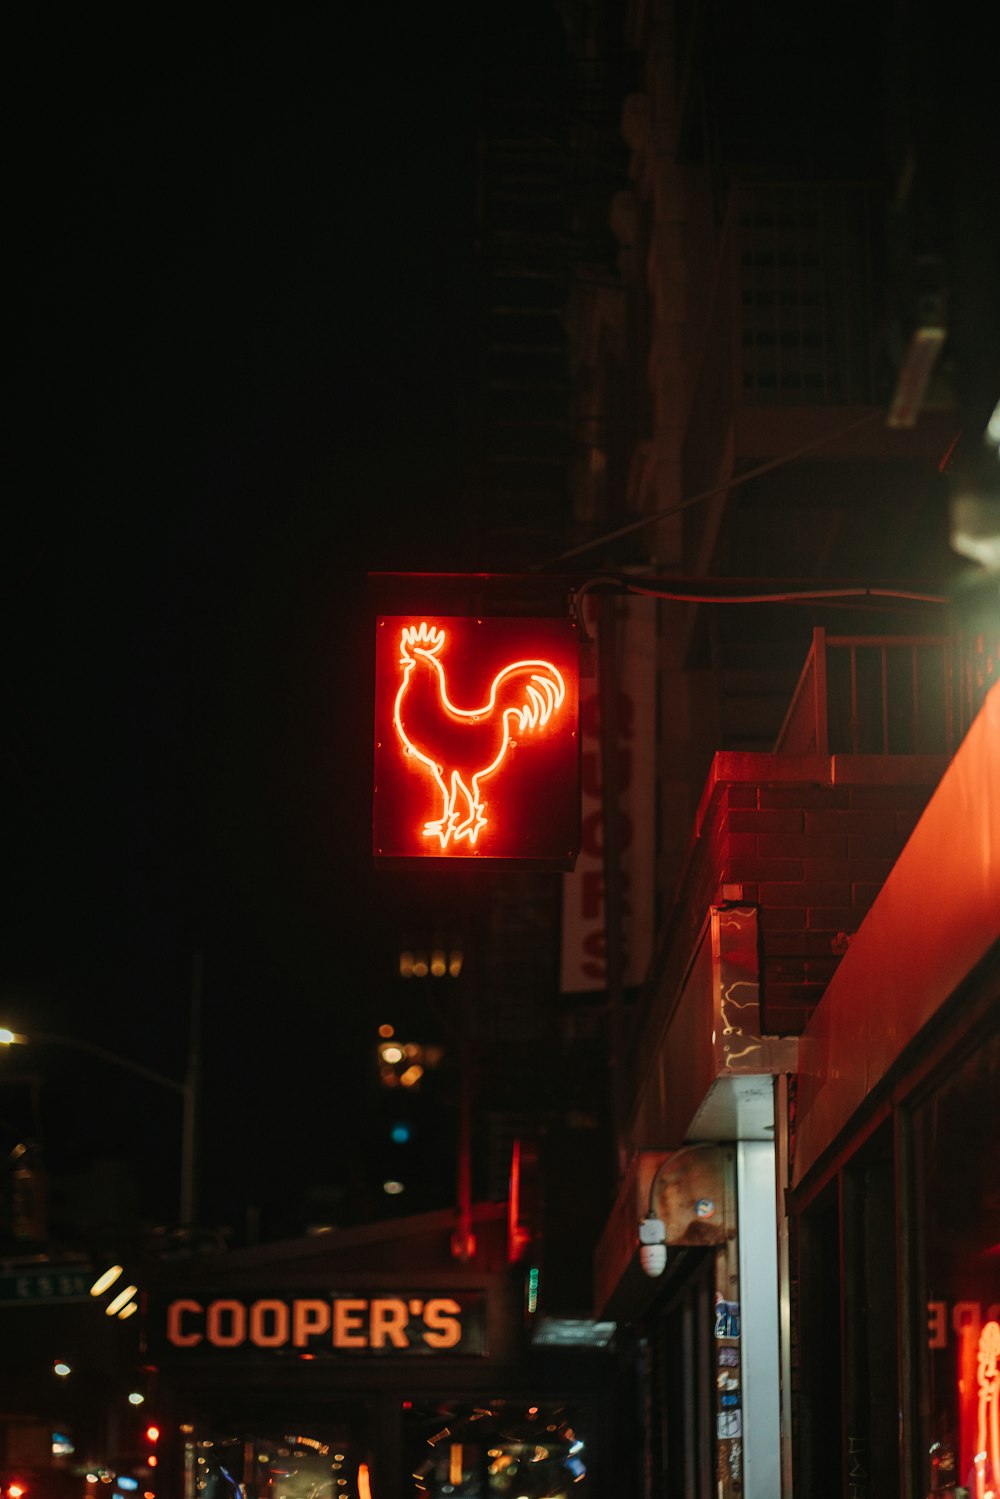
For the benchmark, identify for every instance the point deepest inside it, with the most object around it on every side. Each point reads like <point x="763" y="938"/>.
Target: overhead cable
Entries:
<point x="707" y="494"/>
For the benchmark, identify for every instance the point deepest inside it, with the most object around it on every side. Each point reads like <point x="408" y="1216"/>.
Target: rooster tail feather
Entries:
<point x="532" y="690"/>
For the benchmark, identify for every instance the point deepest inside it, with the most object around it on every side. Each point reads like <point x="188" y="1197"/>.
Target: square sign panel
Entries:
<point x="477" y="743"/>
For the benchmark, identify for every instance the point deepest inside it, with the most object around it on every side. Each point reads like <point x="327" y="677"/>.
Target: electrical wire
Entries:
<point x="707" y="494"/>
<point x="799" y="596"/>
<point x="785" y="596"/>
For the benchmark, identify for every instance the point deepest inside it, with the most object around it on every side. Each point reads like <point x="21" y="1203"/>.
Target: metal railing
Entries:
<point x="791" y="321"/>
<point x="805" y="274"/>
<point x="874" y="695"/>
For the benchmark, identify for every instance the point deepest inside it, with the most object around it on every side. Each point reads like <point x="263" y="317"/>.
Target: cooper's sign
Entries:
<point x="477" y="748"/>
<point x="221" y="1324"/>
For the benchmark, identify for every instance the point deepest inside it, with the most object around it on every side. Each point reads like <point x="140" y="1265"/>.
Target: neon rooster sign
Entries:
<point x="461" y="747"/>
<point x="470" y="705"/>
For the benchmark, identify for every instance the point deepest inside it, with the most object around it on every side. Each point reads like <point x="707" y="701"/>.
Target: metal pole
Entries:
<point x="189" y="1088"/>
<point x="463" y="1241"/>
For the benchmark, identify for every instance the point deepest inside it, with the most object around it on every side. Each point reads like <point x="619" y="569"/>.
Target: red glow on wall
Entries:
<point x="518" y="1236"/>
<point x="476" y="738"/>
<point x="986" y="1458"/>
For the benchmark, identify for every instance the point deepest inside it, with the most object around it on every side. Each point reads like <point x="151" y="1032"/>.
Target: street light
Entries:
<point x="187" y="1087"/>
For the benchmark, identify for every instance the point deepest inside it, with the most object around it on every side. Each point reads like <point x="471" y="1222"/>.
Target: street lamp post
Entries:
<point x="187" y="1086"/>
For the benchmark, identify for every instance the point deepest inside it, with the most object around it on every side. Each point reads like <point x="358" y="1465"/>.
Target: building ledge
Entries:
<point x="759" y="767"/>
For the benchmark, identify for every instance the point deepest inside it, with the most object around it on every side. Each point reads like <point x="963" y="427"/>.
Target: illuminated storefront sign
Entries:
<point x="217" y="1324"/>
<point x="584" y="964"/>
<point x="960" y="1319"/>
<point x="477" y="749"/>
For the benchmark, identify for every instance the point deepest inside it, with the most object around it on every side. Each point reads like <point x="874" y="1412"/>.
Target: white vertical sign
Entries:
<point x="584" y="963"/>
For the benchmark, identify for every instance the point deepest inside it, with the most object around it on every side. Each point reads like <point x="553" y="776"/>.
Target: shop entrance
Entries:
<point x="281" y="1456"/>
<point x="469" y="1449"/>
<point x="503" y="1449"/>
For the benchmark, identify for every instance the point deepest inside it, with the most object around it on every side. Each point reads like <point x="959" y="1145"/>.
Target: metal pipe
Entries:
<point x="607" y="683"/>
<point x="190" y="1090"/>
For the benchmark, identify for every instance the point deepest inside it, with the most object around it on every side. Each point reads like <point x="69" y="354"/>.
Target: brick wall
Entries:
<point x="811" y="846"/>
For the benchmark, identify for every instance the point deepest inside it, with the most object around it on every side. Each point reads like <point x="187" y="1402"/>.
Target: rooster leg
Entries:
<point x="476" y="814"/>
<point x="442" y="828"/>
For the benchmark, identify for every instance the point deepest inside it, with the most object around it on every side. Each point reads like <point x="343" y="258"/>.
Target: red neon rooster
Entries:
<point x="462" y="746"/>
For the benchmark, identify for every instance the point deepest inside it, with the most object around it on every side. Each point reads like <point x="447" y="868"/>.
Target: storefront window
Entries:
<point x="503" y="1450"/>
<point x="314" y="1464"/>
<point x="957" y="1148"/>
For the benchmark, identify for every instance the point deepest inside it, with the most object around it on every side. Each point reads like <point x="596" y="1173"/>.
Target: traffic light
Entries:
<point x="151" y="1435"/>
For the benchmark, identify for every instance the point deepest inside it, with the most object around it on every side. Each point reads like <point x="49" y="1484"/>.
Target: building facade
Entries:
<point x="803" y="316"/>
<point x="749" y="452"/>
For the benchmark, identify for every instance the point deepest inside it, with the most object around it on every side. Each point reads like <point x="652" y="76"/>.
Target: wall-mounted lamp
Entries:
<point x="652" y="1244"/>
<point x="975" y="529"/>
<point x="975" y="502"/>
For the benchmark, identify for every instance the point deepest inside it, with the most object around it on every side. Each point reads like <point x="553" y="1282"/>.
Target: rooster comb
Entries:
<point x="421" y="637"/>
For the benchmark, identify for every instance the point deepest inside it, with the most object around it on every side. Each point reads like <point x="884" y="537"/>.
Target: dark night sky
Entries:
<point x="243" y="307"/>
